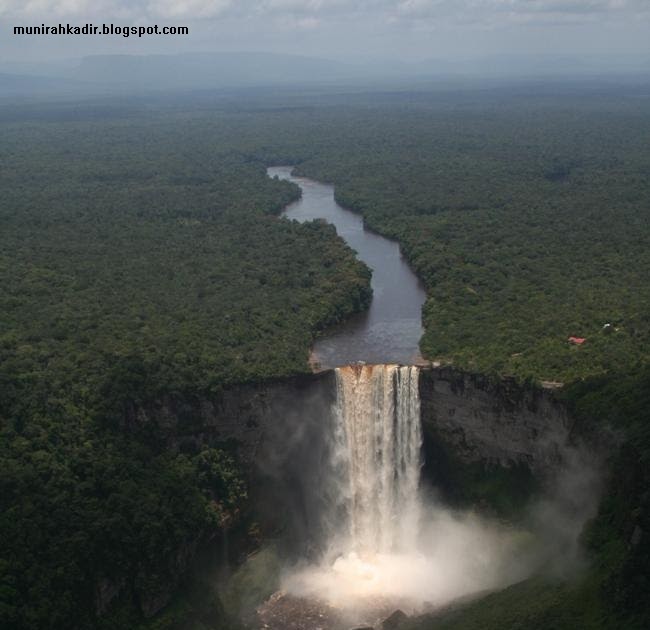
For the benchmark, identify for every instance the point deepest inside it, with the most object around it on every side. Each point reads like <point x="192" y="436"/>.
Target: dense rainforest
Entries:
<point x="529" y="225"/>
<point x="136" y="260"/>
<point x="141" y="254"/>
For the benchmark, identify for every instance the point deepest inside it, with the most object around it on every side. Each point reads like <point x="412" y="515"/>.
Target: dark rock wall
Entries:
<point x="246" y="418"/>
<point x="279" y="432"/>
<point x="269" y="424"/>
<point x="500" y="423"/>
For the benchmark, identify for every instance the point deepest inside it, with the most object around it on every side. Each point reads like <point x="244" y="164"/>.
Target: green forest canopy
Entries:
<point x="528" y="225"/>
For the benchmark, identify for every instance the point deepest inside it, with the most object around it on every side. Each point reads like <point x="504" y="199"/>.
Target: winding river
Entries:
<point x="390" y="330"/>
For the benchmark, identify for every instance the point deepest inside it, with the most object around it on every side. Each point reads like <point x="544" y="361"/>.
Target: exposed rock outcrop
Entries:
<point x="494" y="422"/>
<point x="395" y="621"/>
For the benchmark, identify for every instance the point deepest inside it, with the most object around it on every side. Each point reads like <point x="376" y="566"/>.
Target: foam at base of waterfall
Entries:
<point x="455" y="555"/>
<point x="355" y="581"/>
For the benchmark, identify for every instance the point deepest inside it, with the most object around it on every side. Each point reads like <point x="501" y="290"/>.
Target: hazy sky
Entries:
<point x="407" y="29"/>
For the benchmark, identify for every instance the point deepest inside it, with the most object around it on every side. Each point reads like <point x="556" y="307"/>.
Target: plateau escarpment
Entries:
<point x="272" y="432"/>
<point x="475" y="419"/>
<point x="498" y="444"/>
<point x="240" y="416"/>
<point x="481" y="419"/>
<point x="275" y="431"/>
<point x="486" y="442"/>
<point x="474" y="428"/>
<point x="489" y="440"/>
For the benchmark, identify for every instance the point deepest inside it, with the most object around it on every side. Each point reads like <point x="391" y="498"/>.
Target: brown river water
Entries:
<point x="390" y="331"/>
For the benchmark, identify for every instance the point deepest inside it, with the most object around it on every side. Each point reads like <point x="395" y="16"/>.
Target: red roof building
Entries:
<point x="578" y="341"/>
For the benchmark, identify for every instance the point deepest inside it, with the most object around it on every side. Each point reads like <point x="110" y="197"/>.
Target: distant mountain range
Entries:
<point x="254" y="68"/>
<point x="210" y="69"/>
<point x="108" y="73"/>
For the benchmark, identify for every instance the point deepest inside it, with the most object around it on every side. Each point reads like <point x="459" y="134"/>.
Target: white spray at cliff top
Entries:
<point x="384" y="544"/>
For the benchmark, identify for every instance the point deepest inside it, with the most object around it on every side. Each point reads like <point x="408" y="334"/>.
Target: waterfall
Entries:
<point x="383" y="547"/>
<point x="378" y="440"/>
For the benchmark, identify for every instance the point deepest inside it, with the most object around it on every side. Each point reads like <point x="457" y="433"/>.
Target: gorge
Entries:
<point x="292" y="435"/>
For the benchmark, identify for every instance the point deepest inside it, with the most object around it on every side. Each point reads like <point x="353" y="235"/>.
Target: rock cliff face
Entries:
<point x="278" y="431"/>
<point x="472" y="426"/>
<point x="275" y="429"/>
<point x="245" y="418"/>
<point x="481" y="420"/>
<point x="498" y="423"/>
<point x="278" y="428"/>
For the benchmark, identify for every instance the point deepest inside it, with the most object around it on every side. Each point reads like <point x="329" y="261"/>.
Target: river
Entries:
<point x="390" y="330"/>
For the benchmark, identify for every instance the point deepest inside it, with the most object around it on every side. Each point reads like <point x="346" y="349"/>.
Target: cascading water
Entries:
<point x="377" y="448"/>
